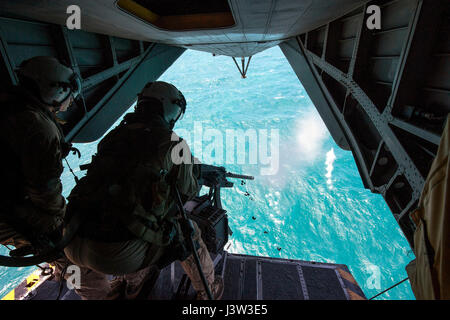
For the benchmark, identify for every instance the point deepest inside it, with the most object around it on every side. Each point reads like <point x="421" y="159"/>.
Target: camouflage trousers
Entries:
<point x="10" y="237"/>
<point x="131" y="261"/>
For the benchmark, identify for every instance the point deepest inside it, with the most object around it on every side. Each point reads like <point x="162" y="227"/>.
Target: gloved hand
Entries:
<point x="187" y="228"/>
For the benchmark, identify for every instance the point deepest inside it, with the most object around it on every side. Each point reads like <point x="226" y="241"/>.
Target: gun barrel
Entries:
<point x="239" y="176"/>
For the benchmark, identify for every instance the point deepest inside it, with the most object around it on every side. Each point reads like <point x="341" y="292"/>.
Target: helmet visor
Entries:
<point x="181" y="102"/>
<point x="75" y="85"/>
<point x="180" y="116"/>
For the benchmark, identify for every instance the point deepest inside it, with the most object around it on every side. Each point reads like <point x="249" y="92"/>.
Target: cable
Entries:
<point x="61" y="283"/>
<point x="389" y="288"/>
<point x="71" y="171"/>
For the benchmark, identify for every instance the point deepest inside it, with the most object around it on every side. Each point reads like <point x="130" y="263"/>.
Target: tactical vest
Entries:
<point x="127" y="189"/>
<point x="12" y="180"/>
<point x="12" y="191"/>
<point x="11" y="176"/>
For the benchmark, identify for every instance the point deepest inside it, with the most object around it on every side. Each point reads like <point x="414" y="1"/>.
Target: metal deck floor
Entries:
<point x="263" y="278"/>
<point x="245" y="278"/>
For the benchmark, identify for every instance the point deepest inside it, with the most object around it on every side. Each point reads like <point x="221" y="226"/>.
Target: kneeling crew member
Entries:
<point x="129" y="200"/>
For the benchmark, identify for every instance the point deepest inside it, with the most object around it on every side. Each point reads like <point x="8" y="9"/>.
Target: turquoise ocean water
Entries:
<point x="314" y="208"/>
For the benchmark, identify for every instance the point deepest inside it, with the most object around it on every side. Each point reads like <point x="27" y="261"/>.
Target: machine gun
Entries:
<point x="207" y="211"/>
<point x="215" y="178"/>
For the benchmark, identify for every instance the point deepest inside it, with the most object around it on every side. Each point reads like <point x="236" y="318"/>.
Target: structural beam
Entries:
<point x="7" y="60"/>
<point x="380" y="122"/>
<point x="388" y="93"/>
<point x="109" y="73"/>
<point x="415" y="130"/>
<point x="324" y="103"/>
<point x="149" y="67"/>
<point x="89" y="82"/>
<point x="68" y="49"/>
<point x="113" y="53"/>
<point x="307" y="76"/>
<point x="331" y="42"/>
<point x="325" y="41"/>
<point x="360" y="39"/>
<point x="423" y="32"/>
<point x="376" y="157"/>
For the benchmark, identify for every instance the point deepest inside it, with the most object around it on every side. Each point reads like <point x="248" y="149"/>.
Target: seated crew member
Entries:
<point x="128" y="198"/>
<point x="33" y="147"/>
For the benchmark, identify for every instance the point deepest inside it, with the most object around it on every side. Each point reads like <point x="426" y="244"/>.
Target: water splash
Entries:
<point x="331" y="157"/>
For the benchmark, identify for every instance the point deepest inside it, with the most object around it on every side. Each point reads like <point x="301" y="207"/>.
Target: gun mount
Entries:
<point x="207" y="211"/>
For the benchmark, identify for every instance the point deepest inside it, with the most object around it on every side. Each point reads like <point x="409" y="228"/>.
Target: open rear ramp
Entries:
<point x="263" y="278"/>
<point x="246" y="278"/>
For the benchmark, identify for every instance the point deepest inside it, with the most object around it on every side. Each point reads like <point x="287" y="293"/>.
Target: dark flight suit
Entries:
<point x="127" y="162"/>
<point x="33" y="144"/>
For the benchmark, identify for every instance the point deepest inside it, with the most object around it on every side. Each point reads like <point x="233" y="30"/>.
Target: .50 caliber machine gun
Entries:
<point x="216" y="178"/>
<point x="207" y="211"/>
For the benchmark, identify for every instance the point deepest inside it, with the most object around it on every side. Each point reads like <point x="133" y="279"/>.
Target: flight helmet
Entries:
<point x="167" y="96"/>
<point x="49" y="80"/>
